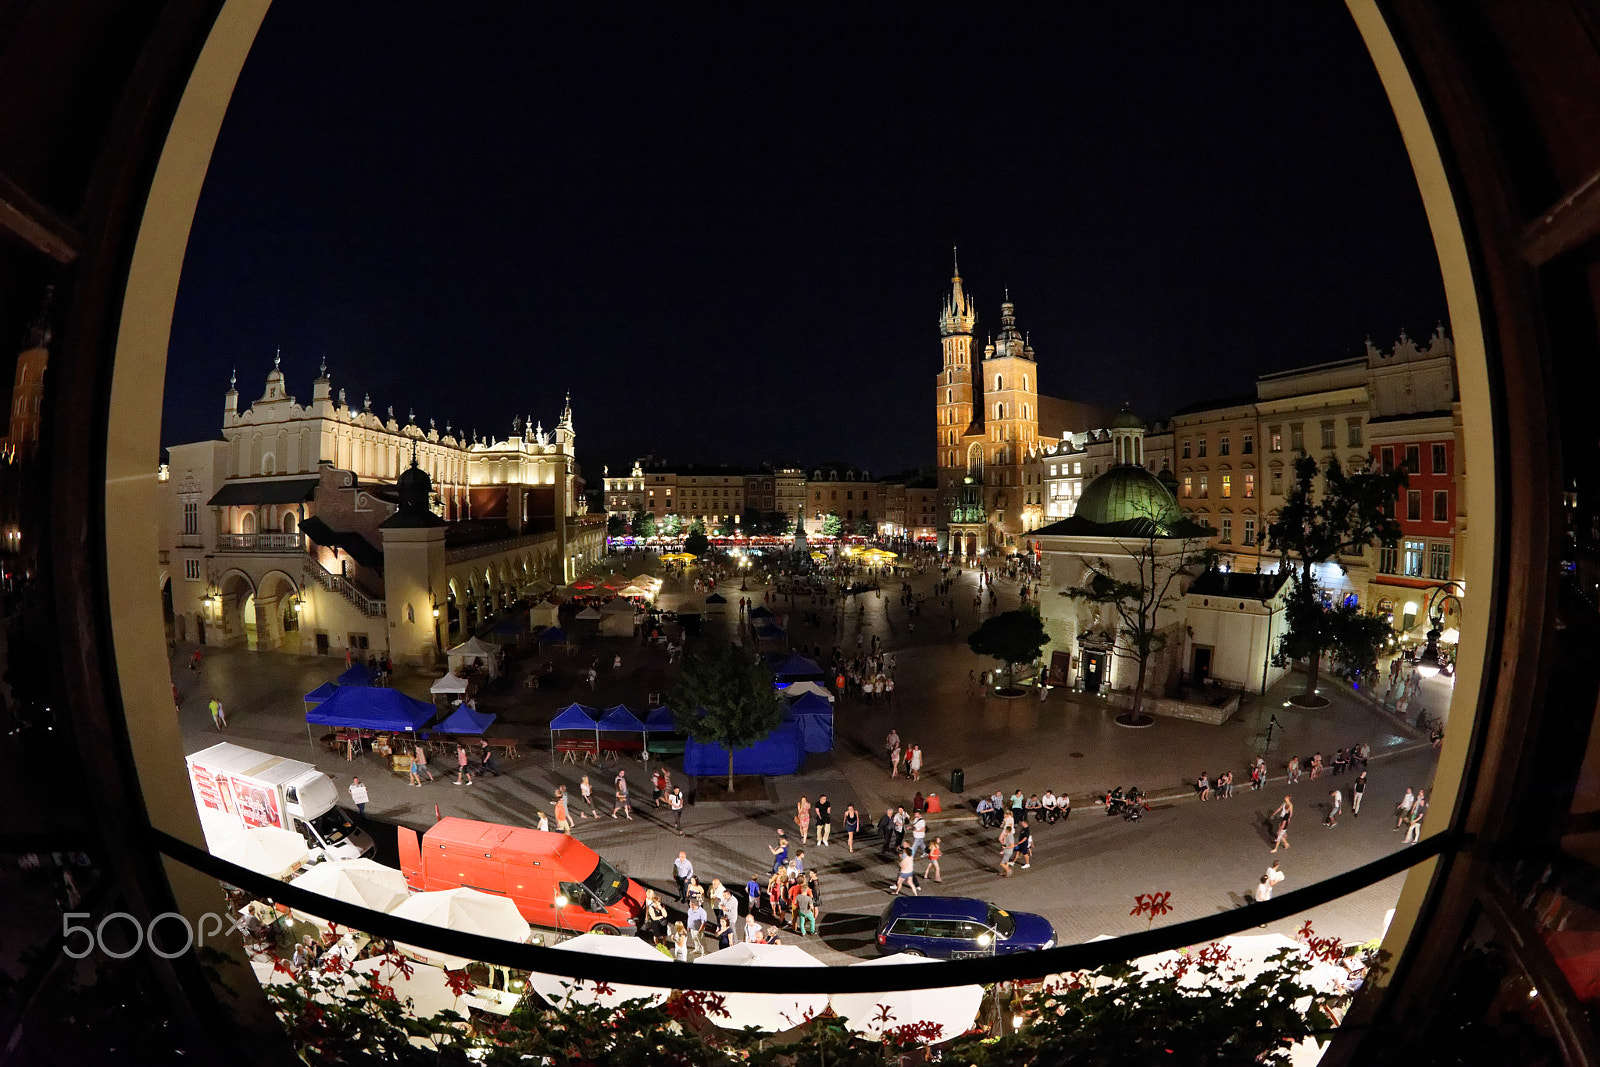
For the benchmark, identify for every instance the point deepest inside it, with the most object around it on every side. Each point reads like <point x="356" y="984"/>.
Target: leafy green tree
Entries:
<point x="1352" y="511"/>
<point x="832" y="526"/>
<point x="777" y="524"/>
<point x="724" y="695"/>
<point x="696" y="542"/>
<point x="671" y="524"/>
<point x="1140" y="593"/>
<point x="698" y="526"/>
<point x="643" y="524"/>
<point x="753" y="522"/>
<point x="1011" y="637"/>
<point x="727" y="527"/>
<point x="616" y="526"/>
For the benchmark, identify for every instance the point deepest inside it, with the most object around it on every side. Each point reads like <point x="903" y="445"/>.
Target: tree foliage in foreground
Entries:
<point x="1199" y="1009"/>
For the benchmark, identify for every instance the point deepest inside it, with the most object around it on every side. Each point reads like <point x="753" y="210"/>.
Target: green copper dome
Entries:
<point x="1126" y="492"/>
<point x="1127" y="420"/>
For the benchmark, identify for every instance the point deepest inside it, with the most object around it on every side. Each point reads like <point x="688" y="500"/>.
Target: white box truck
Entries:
<point x="257" y="789"/>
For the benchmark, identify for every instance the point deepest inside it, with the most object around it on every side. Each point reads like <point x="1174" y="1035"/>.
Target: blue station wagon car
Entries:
<point x="953" y="928"/>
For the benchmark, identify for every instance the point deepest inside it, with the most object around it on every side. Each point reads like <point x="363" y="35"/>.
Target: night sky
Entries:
<point x="728" y="232"/>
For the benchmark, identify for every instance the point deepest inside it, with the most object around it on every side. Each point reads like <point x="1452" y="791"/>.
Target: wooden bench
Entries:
<point x="505" y="745"/>
<point x="571" y="751"/>
<point x="619" y="747"/>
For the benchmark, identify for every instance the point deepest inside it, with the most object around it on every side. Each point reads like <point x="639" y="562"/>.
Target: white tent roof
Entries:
<point x="462" y="909"/>
<point x="589" y="614"/>
<point x="774" y="1012"/>
<point x="953" y="1008"/>
<point x="363" y="882"/>
<point x="644" y="591"/>
<point x="617" y="607"/>
<point x="800" y="689"/>
<point x="449" y="684"/>
<point x="544" y="613"/>
<point x="263" y="849"/>
<point x="558" y="989"/>
<point x="474" y="647"/>
<point x="539" y="587"/>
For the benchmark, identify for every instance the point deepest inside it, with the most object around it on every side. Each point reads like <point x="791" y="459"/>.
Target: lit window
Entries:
<point x="1249" y="486"/>
<point x="1188" y="485"/>
<point x="1204" y="482"/>
<point x="1277" y="440"/>
<point x="1414" y="553"/>
<point x="1439" y="562"/>
<point x="1227" y="486"/>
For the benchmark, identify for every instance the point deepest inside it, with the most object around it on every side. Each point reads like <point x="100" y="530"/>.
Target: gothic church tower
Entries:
<point x="1007" y="392"/>
<point x="954" y="409"/>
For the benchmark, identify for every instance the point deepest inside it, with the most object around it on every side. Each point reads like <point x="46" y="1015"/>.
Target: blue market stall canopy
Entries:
<point x="716" y="598"/>
<point x="660" y="720"/>
<point x="761" y="612"/>
<point x="367" y="708"/>
<point x="782" y="752"/>
<point x="574" y="717"/>
<point x="358" y="674"/>
<point x="464" y="720"/>
<point x="553" y="635"/>
<point x="321" y="693"/>
<point x="795" y="668"/>
<point x="622" y="720"/>
<point x="770" y="632"/>
<point x="814" y="716"/>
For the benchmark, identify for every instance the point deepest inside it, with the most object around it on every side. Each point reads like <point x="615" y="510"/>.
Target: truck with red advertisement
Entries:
<point x="555" y="880"/>
<point x="237" y="785"/>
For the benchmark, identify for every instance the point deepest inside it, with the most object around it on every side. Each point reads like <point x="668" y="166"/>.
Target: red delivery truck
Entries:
<point x="532" y="867"/>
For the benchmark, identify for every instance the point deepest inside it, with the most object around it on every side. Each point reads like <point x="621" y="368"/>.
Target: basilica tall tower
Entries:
<point x="954" y="410"/>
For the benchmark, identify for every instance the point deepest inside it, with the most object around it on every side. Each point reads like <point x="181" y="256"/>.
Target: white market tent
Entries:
<point x="774" y="1012"/>
<point x="559" y="989"/>
<point x="952" y="1009"/>
<point x="641" y="591"/>
<point x="539" y="587"/>
<point x="468" y="910"/>
<point x="800" y="689"/>
<point x="472" y="651"/>
<point x="263" y="849"/>
<point x="589" y="614"/>
<point x="615" y="625"/>
<point x="362" y="881"/>
<point x="450" y="683"/>
<point x="544" y="613"/>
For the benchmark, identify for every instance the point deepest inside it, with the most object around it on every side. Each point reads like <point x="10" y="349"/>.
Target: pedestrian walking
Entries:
<point x="891" y="745"/>
<point x="935" y="851"/>
<point x="563" y="812"/>
<point x="1414" y="825"/>
<point x="1335" y="806"/>
<point x="658" y="786"/>
<point x="622" y="805"/>
<point x="852" y="826"/>
<point x="194" y="661"/>
<point x="729" y="906"/>
<point x="682" y="871"/>
<point x="1275" y="873"/>
<point x="1403" y="811"/>
<point x="586" y="791"/>
<point x="802" y="819"/>
<point x="358" y="796"/>
<point x="675" y="802"/>
<point x="722" y="930"/>
<point x="915" y="763"/>
<point x="1284" y="814"/>
<point x="1008" y="846"/>
<point x="695" y="921"/>
<point x="805" y="914"/>
<point x="1024" y="854"/>
<point x="780" y="852"/>
<point x="822" y="811"/>
<point x="461" y="766"/>
<point x="886" y="834"/>
<point x="420" y="754"/>
<point x="919" y="835"/>
<point x="1358" y="788"/>
<point x="907" y="875"/>
<point x="1263" y="891"/>
<point x="218" y="718"/>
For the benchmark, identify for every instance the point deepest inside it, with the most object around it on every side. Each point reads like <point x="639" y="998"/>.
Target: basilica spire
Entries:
<point x="959" y="316"/>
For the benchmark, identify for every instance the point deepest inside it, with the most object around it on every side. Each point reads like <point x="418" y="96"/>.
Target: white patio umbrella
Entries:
<point x="1247" y="956"/>
<point x="426" y="991"/>
<point x="773" y="1012"/>
<point x="263" y="849"/>
<point x="364" y="882"/>
<point x="467" y="910"/>
<point x="560" y="989"/>
<point x="952" y="1008"/>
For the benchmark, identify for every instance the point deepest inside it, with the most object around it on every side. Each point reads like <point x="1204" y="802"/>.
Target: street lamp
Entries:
<point x="1428" y="662"/>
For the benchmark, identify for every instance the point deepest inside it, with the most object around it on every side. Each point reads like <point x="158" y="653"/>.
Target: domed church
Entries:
<point x="1214" y="626"/>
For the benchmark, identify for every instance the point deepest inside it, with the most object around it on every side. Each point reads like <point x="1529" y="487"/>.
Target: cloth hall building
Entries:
<point x="322" y="527"/>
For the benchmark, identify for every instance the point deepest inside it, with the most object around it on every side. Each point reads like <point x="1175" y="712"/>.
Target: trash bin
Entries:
<point x="958" y="780"/>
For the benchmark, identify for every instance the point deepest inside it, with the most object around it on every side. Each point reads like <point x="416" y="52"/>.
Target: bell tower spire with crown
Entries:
<point x="954" y="410"/>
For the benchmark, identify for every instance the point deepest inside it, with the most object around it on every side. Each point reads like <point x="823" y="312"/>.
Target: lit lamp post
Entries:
<point x="1428" y="664"/>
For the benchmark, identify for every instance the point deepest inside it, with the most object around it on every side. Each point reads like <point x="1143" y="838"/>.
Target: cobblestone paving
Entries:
<point x="1086" y="870"/>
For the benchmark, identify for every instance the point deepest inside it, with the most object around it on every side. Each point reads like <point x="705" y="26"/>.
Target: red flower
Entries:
<point x="460" y="982"/>
<point x="383" y="990"/>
